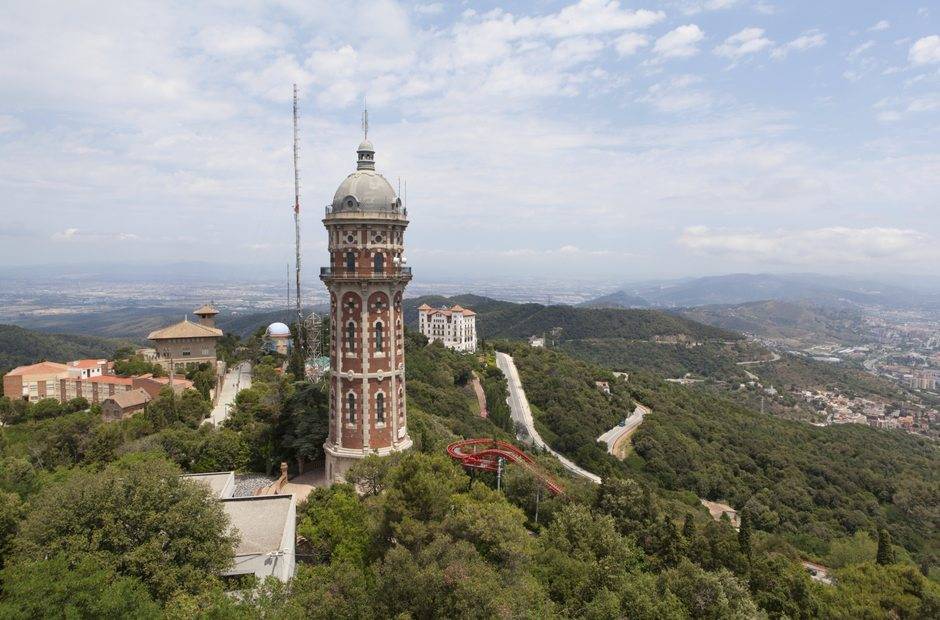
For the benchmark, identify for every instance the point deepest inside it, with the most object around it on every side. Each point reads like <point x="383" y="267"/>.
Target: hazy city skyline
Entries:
<point x="586" y="139"/>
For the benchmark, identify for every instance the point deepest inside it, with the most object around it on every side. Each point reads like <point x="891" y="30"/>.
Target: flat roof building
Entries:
<point x="455" y="327"/>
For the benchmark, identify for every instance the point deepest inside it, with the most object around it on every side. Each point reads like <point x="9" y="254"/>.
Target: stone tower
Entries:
<point x="366" y="279"/>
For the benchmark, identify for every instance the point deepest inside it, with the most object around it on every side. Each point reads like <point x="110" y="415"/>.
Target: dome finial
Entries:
<point x="365" y="150"/>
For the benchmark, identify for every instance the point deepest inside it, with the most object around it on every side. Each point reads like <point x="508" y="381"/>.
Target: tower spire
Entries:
<point x="365" y="120"/>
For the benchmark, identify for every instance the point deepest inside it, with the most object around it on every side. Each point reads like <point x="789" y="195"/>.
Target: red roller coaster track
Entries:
<point x="485" y="454"/>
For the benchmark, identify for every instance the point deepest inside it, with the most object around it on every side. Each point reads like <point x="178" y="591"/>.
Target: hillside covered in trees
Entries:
<point x="425" y="539"/>
<point x="20" y="346"/>
<point x="503" y="319"/>
<point x="809" y="485"/>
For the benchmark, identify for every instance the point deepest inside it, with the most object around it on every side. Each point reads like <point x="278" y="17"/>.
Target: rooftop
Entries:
<point x="206" y="309"/>
<point x="444" y="311"/>
<point x="218" y="482"/>
<point x="130" y="398"/>
<point x="87" y="363"/>
<point x="110" y="379"/>
<point x="260" y="521"/>
<point x="185" y="329"/>
<point x="40" y="368"/>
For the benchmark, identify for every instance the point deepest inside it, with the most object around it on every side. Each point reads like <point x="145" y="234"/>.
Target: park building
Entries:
<point x="185" y="343"/>
<point x="455" y="327"/>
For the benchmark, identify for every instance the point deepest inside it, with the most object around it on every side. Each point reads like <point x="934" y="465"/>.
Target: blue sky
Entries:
<point x="592" y="139"/>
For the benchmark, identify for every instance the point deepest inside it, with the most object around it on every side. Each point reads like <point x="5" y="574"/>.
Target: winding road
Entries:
<point x="522" y="416"/>
<point x="613" y="436"/>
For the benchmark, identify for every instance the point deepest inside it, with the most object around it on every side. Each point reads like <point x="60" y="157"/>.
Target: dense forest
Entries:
<point x="503" y="319"/>
<point x="20" y="346"/>
<point x="424" y="539"/>
<point x="810" y="485"/>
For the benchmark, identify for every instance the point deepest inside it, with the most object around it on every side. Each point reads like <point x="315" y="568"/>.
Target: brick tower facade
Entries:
<point x="366" y="279"/>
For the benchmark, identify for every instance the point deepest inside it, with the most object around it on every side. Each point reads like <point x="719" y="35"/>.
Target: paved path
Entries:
<point x="522" y="415"/>
<point x="236" y="379"/>
<point x="775" y="357"/>
<point x="613" y="436"/>
<point x="481" y="396"/>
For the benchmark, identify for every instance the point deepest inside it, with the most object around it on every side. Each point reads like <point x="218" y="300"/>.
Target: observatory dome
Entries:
<point x="365" y="189"/>
<point x="278" y="330"/>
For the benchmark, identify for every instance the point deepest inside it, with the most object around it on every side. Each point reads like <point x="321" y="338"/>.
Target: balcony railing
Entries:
<point x="394" y="213"/>
<point x="352" y="274"/>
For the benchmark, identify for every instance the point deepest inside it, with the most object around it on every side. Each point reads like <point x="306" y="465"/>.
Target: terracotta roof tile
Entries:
<point x="40" y="368"/>
<point x="185" y="329"/>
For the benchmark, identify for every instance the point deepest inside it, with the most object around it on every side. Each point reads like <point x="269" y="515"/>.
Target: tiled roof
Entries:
<point x="40" y="368"/>
<point x="457" y="309"/>
<point x="185" y="329"/>
<point x="87" y="363"/>
<point x="130" y="398"/>
<point x="110" y="379"/>
<point x="205" y="309"/>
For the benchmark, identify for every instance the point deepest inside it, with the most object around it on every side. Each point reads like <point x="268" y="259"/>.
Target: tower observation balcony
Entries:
<point x="328" y="274"/>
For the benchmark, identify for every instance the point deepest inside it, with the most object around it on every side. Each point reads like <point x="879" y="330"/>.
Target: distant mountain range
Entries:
<point x="784" y="320"/>
<point x="829" y="291"/>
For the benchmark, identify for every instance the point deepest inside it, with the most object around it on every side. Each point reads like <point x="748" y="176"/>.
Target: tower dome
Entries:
<point x="365" y="189"/>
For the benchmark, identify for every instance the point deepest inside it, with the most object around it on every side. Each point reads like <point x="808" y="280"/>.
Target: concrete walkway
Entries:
<point x="522" y="415"/>
<point x="235" y="380"/>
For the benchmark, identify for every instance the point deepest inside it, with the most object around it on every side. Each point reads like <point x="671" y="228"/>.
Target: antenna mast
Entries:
<point x="300" y="318"/>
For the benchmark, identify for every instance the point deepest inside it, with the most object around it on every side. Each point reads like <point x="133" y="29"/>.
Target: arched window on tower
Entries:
<point x="380" y="408"/>
<point x="350" y="261"/>
<point x="378" y="263"/>
<point x="351" y="336"/>
<point x="351" y="407"/>
<point x="379" y="336"/>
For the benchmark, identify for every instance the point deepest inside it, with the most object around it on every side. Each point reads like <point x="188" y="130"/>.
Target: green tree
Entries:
<point x="875" y="591"/>
<point x="11" y="511"/>
<point x="46" y="408"/>
<point x="72" y="586"/>
<point x="370" y="474"/>
<point x="718" y="595"/>
<point x="336" y="526"/>
<point x="137" y="515"/>
<point x="744" y="535"/>
<point x="885" y="554"/>
<point x="858" y="549"/>
<point x="688" y="528"/>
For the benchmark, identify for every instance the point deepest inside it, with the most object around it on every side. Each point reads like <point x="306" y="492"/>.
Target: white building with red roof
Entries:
<point x="455" y="327"/>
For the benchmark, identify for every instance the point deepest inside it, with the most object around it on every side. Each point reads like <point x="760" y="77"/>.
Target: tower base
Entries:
<point x="339" y="460"/>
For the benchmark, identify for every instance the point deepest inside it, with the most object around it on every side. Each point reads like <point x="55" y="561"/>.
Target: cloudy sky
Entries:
<point x="593" y="138"/>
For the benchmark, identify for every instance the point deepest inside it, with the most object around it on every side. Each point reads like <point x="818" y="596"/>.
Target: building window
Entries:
<point x="185" y="353"/>
<point x="351" y="408"/>
<point x="351" y="336"/>
<point x="379" y="344"/>
<point x="378" y="263"/>
<point x="350" y="261"/>
<point x="380" y="408"/>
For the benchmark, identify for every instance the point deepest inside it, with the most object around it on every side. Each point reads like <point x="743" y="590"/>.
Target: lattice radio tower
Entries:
<point x="300" y="316"/>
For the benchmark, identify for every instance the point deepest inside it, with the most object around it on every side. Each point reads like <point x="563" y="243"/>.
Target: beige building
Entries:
<point x="456" y="327"/>
<point x="63" y="382"/>
<point x="186" y="342"/>
<point x="124" y="404"/>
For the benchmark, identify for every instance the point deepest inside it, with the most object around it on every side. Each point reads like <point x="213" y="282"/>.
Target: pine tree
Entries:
<point x="744" y="535"/>
<point x="688" y="528"/>
<point x="885" y="551"/>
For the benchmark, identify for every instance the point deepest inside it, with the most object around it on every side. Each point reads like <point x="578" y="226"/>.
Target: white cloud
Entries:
<point x="630" y="42"/>
<point x="75" y="234"/>
<point x="925" y="50"/>
<point x="679" y="43"/>
<point x="881" y="25"/>
<point x="235" y="40"/>
<point x="677" y="94"/>
<point x="432" y="8"/>
<point x="808" y="40"/>
<point x="858" y="50"/>
<point x="748" y="41"/>
<point x="831" y="245"/>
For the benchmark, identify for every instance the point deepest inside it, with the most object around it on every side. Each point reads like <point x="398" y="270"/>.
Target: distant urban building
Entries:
<point x="924" y="379"/>
<point x="124" y="404"/>
<point x="186" y="343"/>
<point x="455" y="327"/>
<point x="537" y="342"/>
<point x="277" y="339"/>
